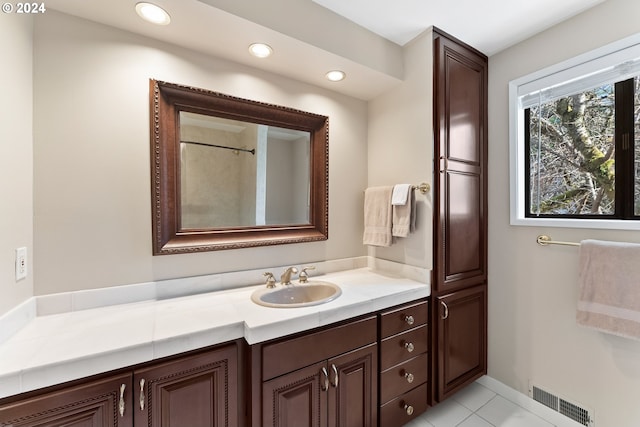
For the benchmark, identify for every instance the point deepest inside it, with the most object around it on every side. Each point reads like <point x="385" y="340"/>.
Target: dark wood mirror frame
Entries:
<point x="166" y="102"/>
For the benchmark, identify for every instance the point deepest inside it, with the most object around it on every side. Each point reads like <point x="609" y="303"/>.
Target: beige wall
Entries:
<point x="400" y="147"/>
<point x="532" y="289"/>
<point x="16" y="155"/>
<point x="92" y="178"/>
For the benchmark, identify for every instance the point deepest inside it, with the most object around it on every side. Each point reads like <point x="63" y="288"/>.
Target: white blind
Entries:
<point x="614" y="67"/>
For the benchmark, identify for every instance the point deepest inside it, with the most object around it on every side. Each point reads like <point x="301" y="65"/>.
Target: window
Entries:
<point x="575" y="140"/>
<point x="580" y="154"/>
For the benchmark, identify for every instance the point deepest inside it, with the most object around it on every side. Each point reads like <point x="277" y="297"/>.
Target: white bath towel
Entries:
<point x="377" y="216"/>
<point x="609" y="294"/>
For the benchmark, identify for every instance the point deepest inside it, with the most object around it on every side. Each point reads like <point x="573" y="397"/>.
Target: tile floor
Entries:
<point x="479" y="406"/>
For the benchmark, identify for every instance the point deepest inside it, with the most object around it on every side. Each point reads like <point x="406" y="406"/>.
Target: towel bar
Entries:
<point x="423" y="187"/>
<point x="544" y="240"/>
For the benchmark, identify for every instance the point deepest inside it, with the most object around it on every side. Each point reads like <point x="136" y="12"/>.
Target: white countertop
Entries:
<point x="61" y="347"/>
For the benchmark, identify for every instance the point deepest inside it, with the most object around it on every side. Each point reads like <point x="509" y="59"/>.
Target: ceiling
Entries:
<point x="364" y="38"/>
<point x="488" y="25"/>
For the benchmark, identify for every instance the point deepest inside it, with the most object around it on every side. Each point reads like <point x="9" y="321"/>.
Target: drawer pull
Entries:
<point x="409" y="319"/>
<point x="325" y="382"/>
<point x="409" y="377"/>
<point x="121" y="402"/>
<point x="409" y="346"/>
<point x="335" y="376"/>
<point x="408" y="409"/>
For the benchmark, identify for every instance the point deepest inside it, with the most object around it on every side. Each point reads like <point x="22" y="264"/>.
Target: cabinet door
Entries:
<point x="353" y="398"/>
<point x="462" y="343"/>
<point x="460" y="150"/>
<point x="296" y="399"/>
<point x="93" y="404"/>
<point x="195" y="391"/>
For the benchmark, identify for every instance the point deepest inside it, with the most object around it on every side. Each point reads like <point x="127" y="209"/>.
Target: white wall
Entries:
<point x="401" y="147"/>
<point x="92" y="169"/>
<point x="533" y="289"/>
<point x="16" y="155"/>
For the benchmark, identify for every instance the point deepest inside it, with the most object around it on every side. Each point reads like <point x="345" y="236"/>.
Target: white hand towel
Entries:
<point x="404" y="217"/>
<point x="377" y="216"/>
<point x="609" y="294"/>
<point x="400" y="194"/>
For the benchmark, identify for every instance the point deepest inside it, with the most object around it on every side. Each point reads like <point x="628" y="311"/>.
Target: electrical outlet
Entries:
<point x="21" y="263"/>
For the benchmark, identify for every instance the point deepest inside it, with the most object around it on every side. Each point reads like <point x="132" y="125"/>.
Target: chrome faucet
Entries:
<point x="285" y="279"/>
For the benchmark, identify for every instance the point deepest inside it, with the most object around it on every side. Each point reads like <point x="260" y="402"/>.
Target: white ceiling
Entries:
<point x="488" y="25"/>
<point x="311" y="37"/>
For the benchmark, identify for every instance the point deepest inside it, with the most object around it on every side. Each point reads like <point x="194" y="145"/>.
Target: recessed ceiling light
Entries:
<point x="152" y="13"/>
<point x="260" y="50"/>
<point x="336" y="75"/>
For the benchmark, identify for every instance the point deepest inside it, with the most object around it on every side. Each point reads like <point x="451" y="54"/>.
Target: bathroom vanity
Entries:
<point x="354" y="371"/>
<point x="354" y="359"/>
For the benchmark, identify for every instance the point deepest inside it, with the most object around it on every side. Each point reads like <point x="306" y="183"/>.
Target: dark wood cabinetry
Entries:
<point x="459" y="285"/>
<point x="462" y="352"/>
<point x="338" y="392"/>
<point x="296" y="399"/>
<point x="198" y="390"/>
<point x="98" y="403"/>
<point x="352" y="399"/>
<point x="404" y="363"/>
<point x="322" y="378"/>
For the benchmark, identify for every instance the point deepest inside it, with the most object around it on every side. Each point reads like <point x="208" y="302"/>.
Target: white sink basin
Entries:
<point x="298" y="295"/>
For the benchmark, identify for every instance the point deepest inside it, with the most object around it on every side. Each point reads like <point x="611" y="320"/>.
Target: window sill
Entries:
<point x="604" y="224"/>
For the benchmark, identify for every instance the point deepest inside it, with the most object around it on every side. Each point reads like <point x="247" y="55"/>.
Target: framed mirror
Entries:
<point x="231" y="173"/>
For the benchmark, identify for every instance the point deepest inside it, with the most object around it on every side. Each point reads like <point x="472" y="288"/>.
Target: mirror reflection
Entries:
<point x="240" y="174"/>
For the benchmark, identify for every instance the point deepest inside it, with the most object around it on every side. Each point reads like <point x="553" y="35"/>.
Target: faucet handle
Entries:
<point x="304" y="276"/>
<point x="271" y="281"/>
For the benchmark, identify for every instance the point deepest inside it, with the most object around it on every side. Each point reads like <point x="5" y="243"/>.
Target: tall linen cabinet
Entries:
<point x="459" y="286"/>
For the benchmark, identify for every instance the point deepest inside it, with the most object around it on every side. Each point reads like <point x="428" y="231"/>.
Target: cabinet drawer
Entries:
<point x="398" y="348"/>
<point x="395" y="414"/>
<point x="403" y="377"/>
<point x="294" y="353"/>
<point x="404" y="318"/>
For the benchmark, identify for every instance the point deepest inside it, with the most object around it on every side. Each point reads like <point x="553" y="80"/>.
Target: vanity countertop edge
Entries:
<point x="62" y="347"/>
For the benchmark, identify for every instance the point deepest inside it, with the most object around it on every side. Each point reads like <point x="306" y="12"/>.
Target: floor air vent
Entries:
<point x="566" y="408"/>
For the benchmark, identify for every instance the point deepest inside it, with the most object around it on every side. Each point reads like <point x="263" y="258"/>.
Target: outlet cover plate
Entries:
<point x="21" y="263"/>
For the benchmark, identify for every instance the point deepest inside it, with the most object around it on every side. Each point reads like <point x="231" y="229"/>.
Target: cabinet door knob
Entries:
<point x="408" y="409"/>
<point x="335" y="376"/>
<point x="409" y="319"/>
<point x="325" y="382"/>
<point x="409" y="346"/>
<point x="445" y="315"/>
<point x="142" y="398"/>
<point x="408" y="377"/>
<point x="121" y="401"/>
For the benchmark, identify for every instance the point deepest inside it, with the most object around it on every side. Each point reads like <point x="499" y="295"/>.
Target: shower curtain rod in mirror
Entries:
<point x="252" y="151"/>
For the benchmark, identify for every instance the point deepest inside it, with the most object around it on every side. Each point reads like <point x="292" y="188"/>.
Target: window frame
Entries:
<point x="583" y="65"/>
